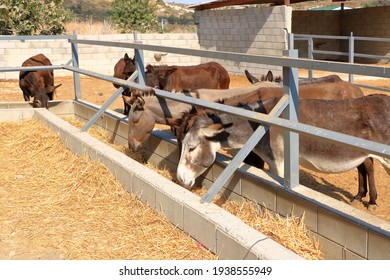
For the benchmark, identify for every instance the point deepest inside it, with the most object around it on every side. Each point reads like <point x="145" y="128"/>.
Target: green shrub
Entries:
<point x="33" y="17"/>
<point x="134" y="15"/>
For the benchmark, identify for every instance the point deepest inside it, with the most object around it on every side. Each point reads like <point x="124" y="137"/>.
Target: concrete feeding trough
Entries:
<point x="221" y="232"/>
<point x="343" y="231"/>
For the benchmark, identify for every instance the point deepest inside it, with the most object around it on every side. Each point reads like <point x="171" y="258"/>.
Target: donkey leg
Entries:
<point x="362" y="183"/>
<point x="367" y="181"/>
<point x="126" y="107"/>
<point x="254" y="160"/>
<point x="369" y="165"/>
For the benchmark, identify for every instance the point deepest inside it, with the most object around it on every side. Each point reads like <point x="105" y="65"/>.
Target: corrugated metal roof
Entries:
<point x="225" y="3"/>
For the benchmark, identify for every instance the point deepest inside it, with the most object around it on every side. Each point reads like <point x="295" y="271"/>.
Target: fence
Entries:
<point x="289" y="103"/>
<point x="290" y="76"/>
<point x="351" y="54"/>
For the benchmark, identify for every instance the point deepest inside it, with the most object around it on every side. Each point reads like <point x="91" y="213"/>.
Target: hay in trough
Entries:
<point x="56" y="205"/>
<point x="291" y="231"/>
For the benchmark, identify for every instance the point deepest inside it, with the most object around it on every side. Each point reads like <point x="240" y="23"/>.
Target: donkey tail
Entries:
<point x="385" y="163"/>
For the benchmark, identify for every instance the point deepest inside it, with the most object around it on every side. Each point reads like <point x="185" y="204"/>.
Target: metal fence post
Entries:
<point x="310" y="54"/>
<point x="351" y="54"/>
<point x="139" y="61"/>
<point x="291" y="139"/>
<point x="75" y="63"/>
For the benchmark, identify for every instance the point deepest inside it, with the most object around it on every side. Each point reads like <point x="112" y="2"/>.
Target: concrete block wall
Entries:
<point x="340" y="238"/>
<point x="100" y="59"/>
<point x="368" y="22"/>
<point x="365" y="22"/>
<point x="255" y="30"/>
<point x="318" y="23"/>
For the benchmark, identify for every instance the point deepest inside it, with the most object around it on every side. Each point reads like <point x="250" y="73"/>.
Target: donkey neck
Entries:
<point x="218" y="94"/>
<point x="165" y="108"/>
<point x="234" y="136"/>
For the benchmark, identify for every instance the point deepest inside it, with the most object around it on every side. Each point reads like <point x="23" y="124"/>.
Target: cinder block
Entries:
<point x="378" y="247"/>
<point x="329" y="249"/>
<point x="144" y="190"/>
<point x="352" y="236"/>
<point x="290" y="204"/>
<point x="170" y="208"/>
<point x="16" y="115"/>
<point x="260" y="193"/>
<point x="198" y="227"/>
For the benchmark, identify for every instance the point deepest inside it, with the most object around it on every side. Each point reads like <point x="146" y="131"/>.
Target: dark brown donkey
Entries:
<point x="210" y="75"/>
<point x="123" y="70"/>
<point x="332" y="87"/>
<point x="37" y="84"/>
<point x="203" y="132"/>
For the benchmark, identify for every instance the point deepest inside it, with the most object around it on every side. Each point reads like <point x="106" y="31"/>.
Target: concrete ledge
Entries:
<point x="361" y="235"/>
<point x="320" y="211"/>
<point x="215" y="228"/>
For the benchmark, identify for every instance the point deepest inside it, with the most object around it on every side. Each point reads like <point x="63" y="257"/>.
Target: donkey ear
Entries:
<point x="139" y="103"/>
<point x="269" y="77"/>
<point x="214" y="129"/>
<point x="278" y="79"/>
<point x="252" y="79"/>
<point x="173" y="122"/>
<point x="127" y="99"/>
<point x="52" y="88"/>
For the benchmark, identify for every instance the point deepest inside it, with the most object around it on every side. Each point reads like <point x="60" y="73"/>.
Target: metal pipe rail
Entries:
<point x="366" y="145"/>
<point x="290" y="86"/>
<point x="351" y="52"/>
<point x="360" y="69"/>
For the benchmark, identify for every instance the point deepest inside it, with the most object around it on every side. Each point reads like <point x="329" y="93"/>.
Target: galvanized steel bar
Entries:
<point x="291" y="139"/>
<point x="242" y="153"/>
<point x="360" y="69"/>
<point x="351" y="52"/>
<point x="107" y="78"/>
<point x="107" y="104"/>
<point x="30" y="68"/>
<point x="139" y="62"/>
<point x="35" y="37"/>
<point x="336" y="137"/>
<point x="75" y="63"/>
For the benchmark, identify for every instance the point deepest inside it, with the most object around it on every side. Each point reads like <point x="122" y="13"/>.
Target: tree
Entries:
<point x="134" y="15"/>
<point x="33" y="17"/>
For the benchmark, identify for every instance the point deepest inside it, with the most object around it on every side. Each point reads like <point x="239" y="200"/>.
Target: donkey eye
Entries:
<point x="191" y="149"/>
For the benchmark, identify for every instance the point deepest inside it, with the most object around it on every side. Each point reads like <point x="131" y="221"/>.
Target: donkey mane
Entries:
<point x="150" y="67"/>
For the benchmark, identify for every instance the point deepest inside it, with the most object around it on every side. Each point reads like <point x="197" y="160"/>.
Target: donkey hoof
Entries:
<point x="356" y="202"/>
<point x="372" y="207"/>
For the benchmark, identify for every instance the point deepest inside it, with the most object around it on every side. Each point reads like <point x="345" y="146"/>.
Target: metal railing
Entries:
<point x="293" y="128"/>
<point x="351" y="54"/>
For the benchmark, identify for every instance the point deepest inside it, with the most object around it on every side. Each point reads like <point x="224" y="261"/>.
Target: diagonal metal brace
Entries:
<point x="105" y="106"/>
<point x="243" y="152"/>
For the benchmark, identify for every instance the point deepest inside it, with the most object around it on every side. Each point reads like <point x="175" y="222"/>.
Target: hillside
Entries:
<point x="100" y="9"/>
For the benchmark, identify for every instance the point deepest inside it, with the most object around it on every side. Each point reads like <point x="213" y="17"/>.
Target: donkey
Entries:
<point x="151" y="110"/>
<point x="329" y="87"/>
<point x="209" y="75"/>
<point x="123" y="70"/>
<point x="37" y="84"/>
<point x="203" y="132"/>
<point x="332" y="87"/>
<point x="302" y="81"/>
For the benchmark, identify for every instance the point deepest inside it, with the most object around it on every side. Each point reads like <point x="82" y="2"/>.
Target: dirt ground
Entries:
<point x="339" y="186"/>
